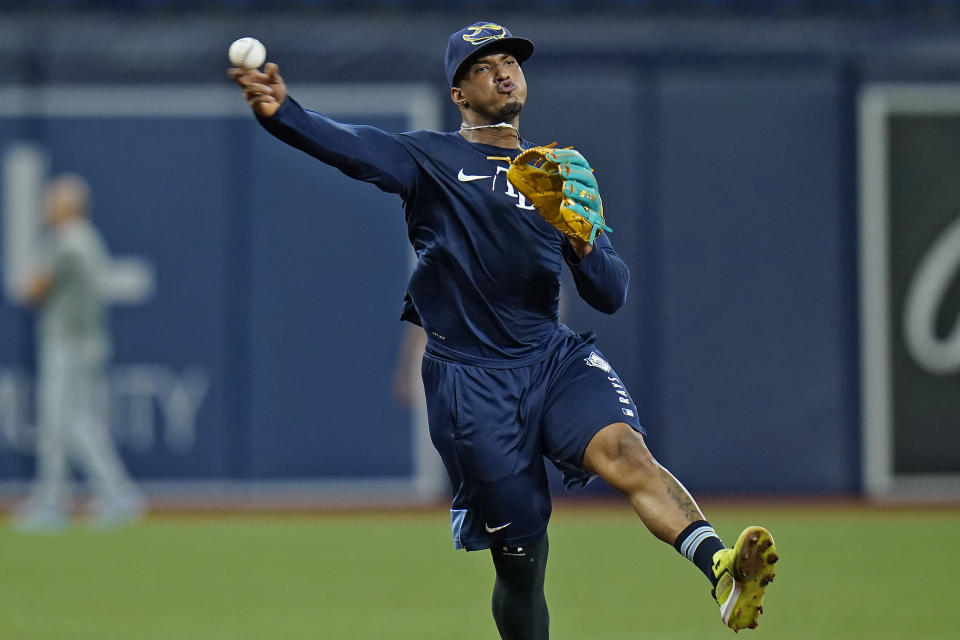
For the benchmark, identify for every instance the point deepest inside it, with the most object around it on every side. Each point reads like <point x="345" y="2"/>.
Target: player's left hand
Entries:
<point x="581" y="247"/>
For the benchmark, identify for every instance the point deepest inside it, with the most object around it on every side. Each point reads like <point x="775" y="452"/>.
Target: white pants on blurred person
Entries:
<point x="73" y="430"/>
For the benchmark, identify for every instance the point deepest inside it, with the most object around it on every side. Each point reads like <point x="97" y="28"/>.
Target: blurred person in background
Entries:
<point x="73" y="349"/>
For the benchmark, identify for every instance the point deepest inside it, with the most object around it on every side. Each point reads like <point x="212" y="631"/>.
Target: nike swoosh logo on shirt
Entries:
<point x="494" y="529"/>
<point x="463" y="177"/>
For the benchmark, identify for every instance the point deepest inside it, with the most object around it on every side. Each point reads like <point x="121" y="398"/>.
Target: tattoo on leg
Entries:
<point x="680" y="496"/>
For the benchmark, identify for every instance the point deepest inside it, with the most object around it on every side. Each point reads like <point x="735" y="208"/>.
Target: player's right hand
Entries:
<point x="263" y="90"/>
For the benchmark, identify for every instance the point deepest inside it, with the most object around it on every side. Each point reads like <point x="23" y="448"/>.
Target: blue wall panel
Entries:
<point x="329" y="265"/>
<point x="753" y="342"/>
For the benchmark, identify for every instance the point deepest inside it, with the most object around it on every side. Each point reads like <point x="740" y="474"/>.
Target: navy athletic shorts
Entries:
<point x="493" y="427"/>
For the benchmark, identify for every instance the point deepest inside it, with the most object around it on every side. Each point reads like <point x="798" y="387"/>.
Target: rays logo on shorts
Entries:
<point x="484" y="33"/>
<point x="594" y="360"/>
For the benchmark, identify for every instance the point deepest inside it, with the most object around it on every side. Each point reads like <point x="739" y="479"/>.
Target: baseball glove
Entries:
<point x="560" y="185"/>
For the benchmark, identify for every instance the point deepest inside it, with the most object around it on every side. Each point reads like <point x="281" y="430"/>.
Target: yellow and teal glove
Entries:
<point x="560" y="185"/>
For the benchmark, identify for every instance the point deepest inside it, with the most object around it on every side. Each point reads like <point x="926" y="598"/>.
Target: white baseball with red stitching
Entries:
<point x="247" y="53"/>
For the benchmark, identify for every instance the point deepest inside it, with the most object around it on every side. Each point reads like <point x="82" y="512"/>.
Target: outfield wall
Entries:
<point x="729" y="174"/>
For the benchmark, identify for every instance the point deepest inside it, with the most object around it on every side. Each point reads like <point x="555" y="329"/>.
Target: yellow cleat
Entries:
<point x="743" y="574"/>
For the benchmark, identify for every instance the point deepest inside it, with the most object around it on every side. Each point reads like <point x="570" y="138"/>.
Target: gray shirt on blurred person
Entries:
<point x="75" y="313"/>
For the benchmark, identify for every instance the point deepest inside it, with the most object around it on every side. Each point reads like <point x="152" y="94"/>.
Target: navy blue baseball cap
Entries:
<point x="478" y="38"/>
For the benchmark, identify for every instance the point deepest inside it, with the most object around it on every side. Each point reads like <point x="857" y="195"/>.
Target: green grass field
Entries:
<point x="844" y="573"/>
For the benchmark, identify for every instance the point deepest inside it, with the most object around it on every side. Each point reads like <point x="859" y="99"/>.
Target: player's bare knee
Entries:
<point x="620" y="456"/>
<point x="633" y="455"/>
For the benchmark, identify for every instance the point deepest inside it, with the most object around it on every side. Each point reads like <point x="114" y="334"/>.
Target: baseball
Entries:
<point x="247" y="53"/>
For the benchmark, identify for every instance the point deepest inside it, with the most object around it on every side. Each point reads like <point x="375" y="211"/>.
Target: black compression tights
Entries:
<point x="519" y="606"/>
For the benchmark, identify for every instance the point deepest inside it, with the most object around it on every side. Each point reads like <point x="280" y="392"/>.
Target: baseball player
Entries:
<point x="74" y="346"/>
<point x="507" y="384"/>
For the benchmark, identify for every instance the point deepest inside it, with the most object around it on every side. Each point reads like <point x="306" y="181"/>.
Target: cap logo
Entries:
<point x="483" y="33"/>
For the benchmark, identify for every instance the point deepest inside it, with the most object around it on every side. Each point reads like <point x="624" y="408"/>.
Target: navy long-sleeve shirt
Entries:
<point x="487" y="282"/>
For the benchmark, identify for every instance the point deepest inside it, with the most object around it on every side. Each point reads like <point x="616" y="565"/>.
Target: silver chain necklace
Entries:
<point x="499" y="125"/>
